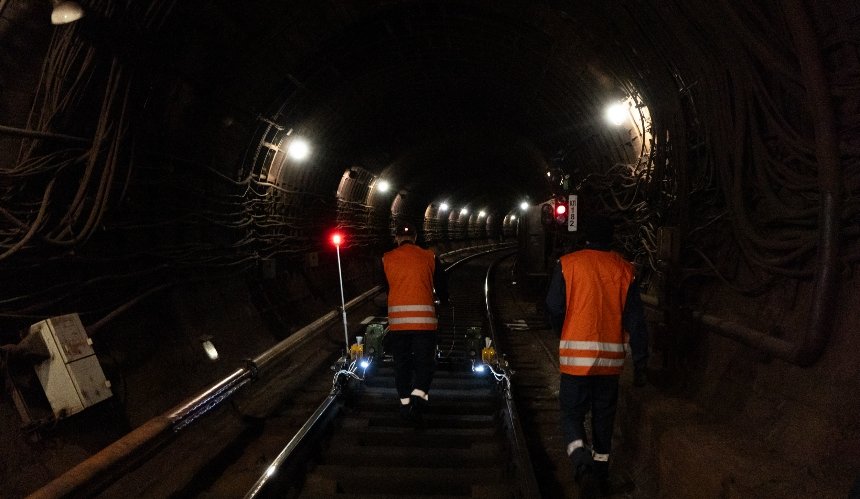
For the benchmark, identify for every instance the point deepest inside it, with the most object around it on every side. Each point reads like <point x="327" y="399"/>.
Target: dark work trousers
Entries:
<point x="579" y="394"/>
<point x="414" y="354"/>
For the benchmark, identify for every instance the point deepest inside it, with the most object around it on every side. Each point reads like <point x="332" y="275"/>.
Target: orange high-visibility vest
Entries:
<point x="592" y="338"/>
<point x="409" y="270"/>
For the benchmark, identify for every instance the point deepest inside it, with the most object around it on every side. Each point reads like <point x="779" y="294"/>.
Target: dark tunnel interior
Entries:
<point x="148" y="185"/>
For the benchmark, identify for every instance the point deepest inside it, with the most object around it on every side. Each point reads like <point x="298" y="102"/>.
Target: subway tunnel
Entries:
<point x="151" y="184"/>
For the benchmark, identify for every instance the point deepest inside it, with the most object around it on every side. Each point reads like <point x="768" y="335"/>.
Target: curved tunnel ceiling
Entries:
<point x="422" y="92"/>
<point x="469" y="102"/>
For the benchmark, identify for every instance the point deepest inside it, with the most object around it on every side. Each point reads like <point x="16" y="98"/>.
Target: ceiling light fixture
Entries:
<point x="617" y="114"/>
<point x="66" y="12"/>
<point x="383" y="186"/>
<point x="299" y="149"/>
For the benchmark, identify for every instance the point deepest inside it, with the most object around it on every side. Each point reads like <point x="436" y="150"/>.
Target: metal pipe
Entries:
<point x="829" y="179"/>
<point x="264" y="359"/>
<point x="21" y="132"/>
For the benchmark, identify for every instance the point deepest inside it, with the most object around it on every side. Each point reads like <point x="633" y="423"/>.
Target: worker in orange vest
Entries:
<point x="413" y="275"/>
<point x="594" y="304"/>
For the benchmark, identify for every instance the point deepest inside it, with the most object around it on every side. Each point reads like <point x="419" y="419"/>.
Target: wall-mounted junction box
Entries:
<point x="72" y="378"/>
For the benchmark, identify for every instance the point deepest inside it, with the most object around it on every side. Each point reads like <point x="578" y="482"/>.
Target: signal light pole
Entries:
<point x="337" y="239"/>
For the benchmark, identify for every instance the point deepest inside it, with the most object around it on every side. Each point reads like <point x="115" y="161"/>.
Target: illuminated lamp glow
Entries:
<point x="513" y="217"/>
<point x="299" y="149"/>
<point x="482" y="214"/>
<point x="479" y="368"/>
<point x="616" y="114"/>
<point x="364" y="364"/>
<point x="337" y="238"/>
<point x="66" y="12"/>
<point x="524" y="205"/>
<point x="464" y="211"/>
<point x="210" y="350"/>
<point x="271" y="470"/>
<point x="383" y="186"/>
<point x="560" y="209"/>
<point x="443" y="207"/>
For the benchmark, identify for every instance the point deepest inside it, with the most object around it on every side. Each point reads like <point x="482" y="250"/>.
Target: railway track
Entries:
<point x="469" y="445"/>
<point x="216" y="444"/>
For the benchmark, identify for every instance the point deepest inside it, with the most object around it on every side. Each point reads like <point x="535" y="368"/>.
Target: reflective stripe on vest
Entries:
<point x="399" y="315"/>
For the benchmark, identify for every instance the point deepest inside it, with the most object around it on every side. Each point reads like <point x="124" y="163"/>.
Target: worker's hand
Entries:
<point x="640" y="377"/>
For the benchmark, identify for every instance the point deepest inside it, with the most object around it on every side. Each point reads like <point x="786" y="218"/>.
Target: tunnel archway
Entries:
<point x="146" y="184"/>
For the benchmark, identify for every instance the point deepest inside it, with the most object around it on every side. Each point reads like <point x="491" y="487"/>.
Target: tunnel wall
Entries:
<point x="179" y="175"/>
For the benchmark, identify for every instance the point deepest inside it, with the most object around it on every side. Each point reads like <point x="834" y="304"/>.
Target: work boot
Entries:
<point x="406" y="411"/>
<point x="419" y="406"/>
<point x="582" y="463"/>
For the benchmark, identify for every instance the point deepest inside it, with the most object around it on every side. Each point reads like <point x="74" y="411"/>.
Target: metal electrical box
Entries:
<point x="72" y="378"/>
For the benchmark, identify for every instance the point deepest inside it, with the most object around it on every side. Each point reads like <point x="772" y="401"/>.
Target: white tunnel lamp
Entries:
<point x="66" y="12"/>
<point x="443" y="207"/>
<point x="299" y="149"/>
<point x="524" y="205"/>
<point x="616" y="114"/>
<point x="383" y="186"/>
<point x="464" y="211"/>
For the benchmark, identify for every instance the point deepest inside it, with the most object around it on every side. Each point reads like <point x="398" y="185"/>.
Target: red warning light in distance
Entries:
<point x="337" y="238"/>
<point x="560" y="209"/>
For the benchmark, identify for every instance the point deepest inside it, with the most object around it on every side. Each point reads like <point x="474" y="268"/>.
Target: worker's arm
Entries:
<point x="633" y="321"/>
<point x="556" y="303"/>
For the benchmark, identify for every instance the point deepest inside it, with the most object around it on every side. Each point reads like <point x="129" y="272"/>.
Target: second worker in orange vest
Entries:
<point x="413" y="275"/>
<point x="594" y="302"/>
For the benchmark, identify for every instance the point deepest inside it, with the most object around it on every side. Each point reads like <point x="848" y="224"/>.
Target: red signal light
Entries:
<point x="337" y="238"/>
<point x="560" y="212"/>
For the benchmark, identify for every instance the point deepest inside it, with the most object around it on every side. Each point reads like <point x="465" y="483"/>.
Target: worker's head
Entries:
<point x="599" y="229"/>
<point x="405" y="231"/>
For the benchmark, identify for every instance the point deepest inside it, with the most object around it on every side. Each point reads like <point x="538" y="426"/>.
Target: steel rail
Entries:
<point x="285" y="453"/>
<point x="528" y="483"/>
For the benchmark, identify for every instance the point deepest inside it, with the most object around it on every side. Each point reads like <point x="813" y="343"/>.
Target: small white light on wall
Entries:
<point x="210" y="349"/>
<point x="524" y="205"/>
<point x="383" y="186"/>
<point x="443" y="207"/>
<point x="464" y="211"/>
